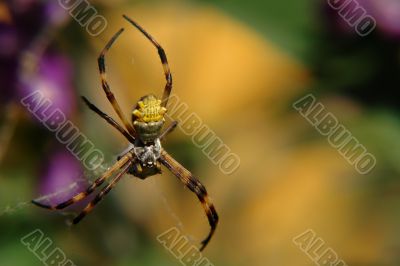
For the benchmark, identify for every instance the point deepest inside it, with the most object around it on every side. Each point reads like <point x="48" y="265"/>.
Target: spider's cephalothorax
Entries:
<point x="144" y="155"/>
<point x="147" y="159"/>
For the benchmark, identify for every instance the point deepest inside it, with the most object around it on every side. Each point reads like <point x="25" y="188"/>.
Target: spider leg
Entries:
<point x="106" y="87"/>
<point x="102" y="193"/>
<point x="109" y="120"/>
<point x="164" y="61"/>
<point x="195" y="186"/>
<point x="168" y="130"/>
<point x="123" y="161"/>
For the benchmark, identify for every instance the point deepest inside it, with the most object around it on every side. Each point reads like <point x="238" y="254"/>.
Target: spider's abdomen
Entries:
<point x="148" y="118"/>
<point x="148" y="132"/>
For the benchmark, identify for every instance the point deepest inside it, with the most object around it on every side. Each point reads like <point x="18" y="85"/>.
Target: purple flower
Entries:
<point x="54" y="80"/>
<point x="55" y="14"/>
<point x="386" y="13"/>
<point x="23" y="23"/>
<point x="61" y="179"/>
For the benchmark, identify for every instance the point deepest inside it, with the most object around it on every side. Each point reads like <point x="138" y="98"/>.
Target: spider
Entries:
<point x="145" y="155"/>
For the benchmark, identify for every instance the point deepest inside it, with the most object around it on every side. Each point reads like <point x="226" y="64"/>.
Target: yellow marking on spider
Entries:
<point x="137" y="113"/>
<point x="139" y="168"/>
<point x="79" y="197"/>
<point x="149" y="110"/>
<point x="141" y="105"/>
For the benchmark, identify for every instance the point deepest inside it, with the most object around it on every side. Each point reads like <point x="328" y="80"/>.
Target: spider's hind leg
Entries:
<point x="104" y="192"/>
<point x="195" y="186"/>
<point x="122" y="154"/>
<point x="81" y="196"/>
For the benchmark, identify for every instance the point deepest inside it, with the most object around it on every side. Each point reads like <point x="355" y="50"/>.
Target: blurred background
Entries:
<point x="239" y="65"/>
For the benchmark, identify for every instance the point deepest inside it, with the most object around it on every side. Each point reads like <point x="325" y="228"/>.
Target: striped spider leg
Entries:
<point x="124" y="163"/>
<point x="196" y="187"/>
<point x="125" y="168"/>
<point x="106" y="87"/>
<point x="164" y="61"/>
<point x="109" y="120"/>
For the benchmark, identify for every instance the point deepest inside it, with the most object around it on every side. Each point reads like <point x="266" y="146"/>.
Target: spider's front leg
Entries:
<point x="164" y="61"/>
<point x="195" y="186"/>
<point x="109" y="120"/>
<point x="106" y="87"/>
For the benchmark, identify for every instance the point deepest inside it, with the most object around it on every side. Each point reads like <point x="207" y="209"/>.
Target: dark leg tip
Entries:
<point x="40" y="204"/>
<point x="77" y="219"/>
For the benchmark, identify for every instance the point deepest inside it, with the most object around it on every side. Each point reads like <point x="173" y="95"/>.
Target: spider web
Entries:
<point x="167" y="206"/>
<point x="11" y="209"/>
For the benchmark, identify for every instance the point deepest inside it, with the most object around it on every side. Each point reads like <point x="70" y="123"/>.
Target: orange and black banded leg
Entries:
<point x="123" y="161"/>
<point x="164" y="61"/>
<point x="168" y="130"/>
<point x="109" y="120"/>
<point x="104" y="192"/>
<point x="106" y="87"/>
<point x="195" y="186"/>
